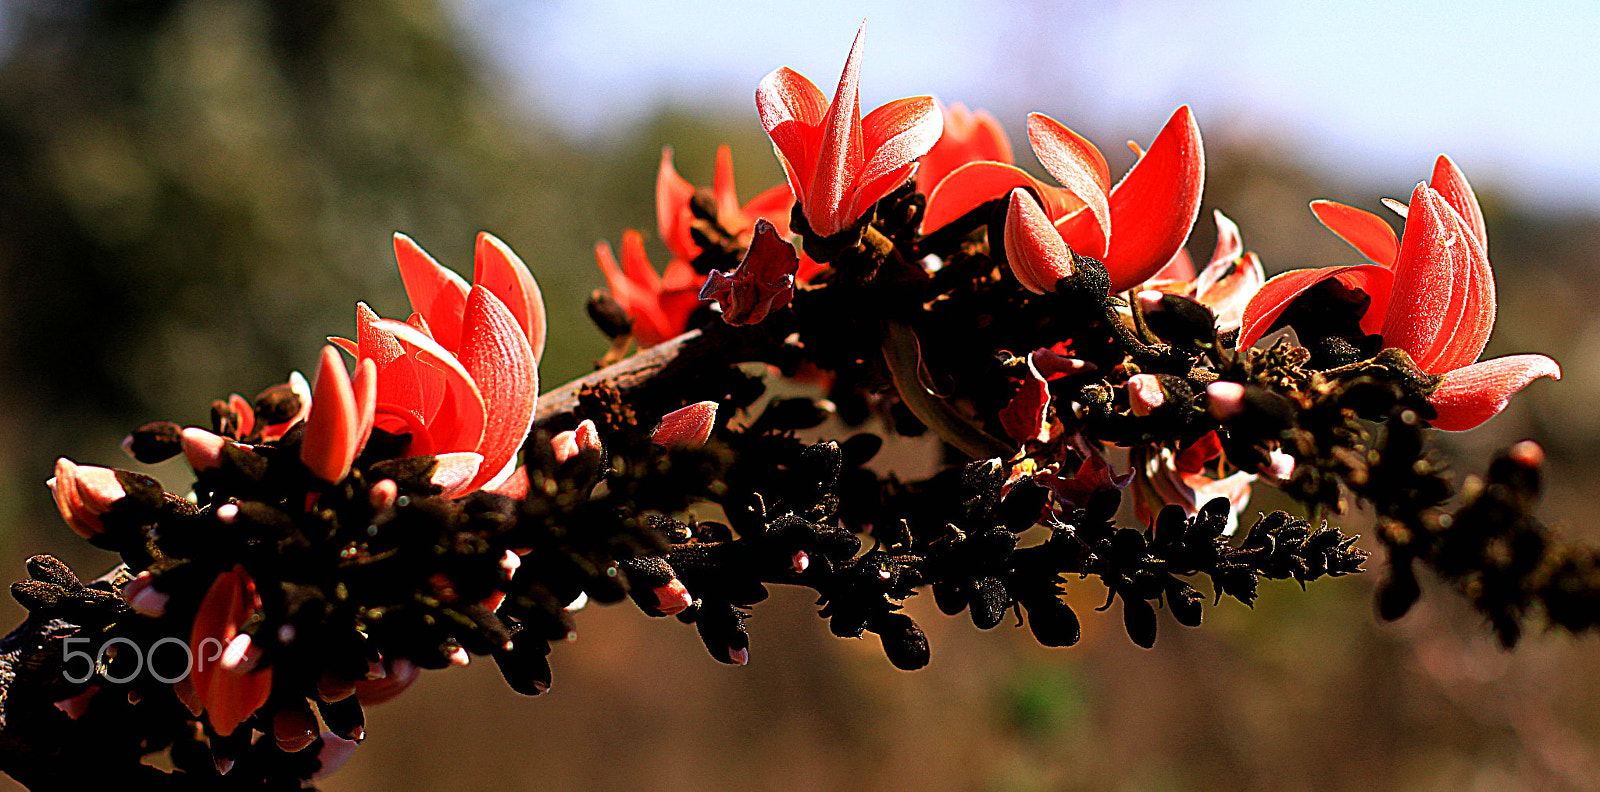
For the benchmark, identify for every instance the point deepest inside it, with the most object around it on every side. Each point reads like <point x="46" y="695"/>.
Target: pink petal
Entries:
<point x="1162" y="191"/>
<point x="1079" y="166"/>
<point x="1024" y="417"/>
<point x="365" y="385"/>
<point x="1473" y="394"/>
<point x="687" y="427"/>
<point x="458" y="424"/>
<point x="1364" y="230"/>
<point x="840" y="153"/>
<point x="1036" y="253"/>
<point x="1230" y="244"/>
<point x="497" y="355"/>
<point x="332" y="431"/>
<point x="1229" y="296"/>
<point x="977" y="183"/>
<point x="895" y="135"/>
<point x="792" y="108"/>
<point x="1440" y="273"/>
<point x="435" y="292"/>
<point x="455" y="472"/>
<point x="673" y="194"/>
<point x="1276" y="295"/>
<point x="498" y="269"/>
<point x="1452" y="184"/>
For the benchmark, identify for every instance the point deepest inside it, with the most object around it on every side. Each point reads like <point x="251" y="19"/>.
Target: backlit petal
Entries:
<point x="458" y="423"/>
<point x="977" y="183"/>
<point x="1036" y="253"/>
<point x="1079" y="166"/>
<point x="497" y="355"/>
<point x="1473" y="394"/>
<point x="502" y="272"/>
<point x="1276" y="295"/>
<point x="840" y="153"/>
<point x="791" y="108"/>
<point x="1452" y="184"/>
<point x="1364" y="230"/>
<point x="437" y="293"/>
<point x="673" y="194"/>
<point x="895" y="135"/>
<point x="1162" y="192"/>
<point x="332" y="431"/>
<point x="229" y="697"/>
<point x="1440" y="270"/>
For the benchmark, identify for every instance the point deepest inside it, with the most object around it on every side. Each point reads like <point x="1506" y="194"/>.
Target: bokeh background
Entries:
<point x="193" y="193"/>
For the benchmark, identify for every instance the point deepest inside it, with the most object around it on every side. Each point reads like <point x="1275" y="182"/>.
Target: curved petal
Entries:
<point x="650" y="324"/>
<point x="434" y="291"/>
<point x="1473" y="394"/>
<point x="1452" y="184"/>
<point x="229" y="695"/>
<point x="1024" y="418"/>
<point x="791" y="108"/>
<point x="967" y="137"/>
<point x="497" y="355"/>
<point x="458" y="423"/>
<point x="1440" y="273"/>
<point x="977" y="183"/>
<point x="398" y="381"/>
<point x="1162" y="192"/>
<point x="1365" y="231"/>
<point x="840" y="151"/>
<point x="1228" y="296"/>
<point x="1230" y="243"/>
<point x="722" y="190"/>
<point x="1078" y="165"/>
<point x="894" y="136"/>
<point x="502" y="272"/>
<point x="332" y="429"/>
<point x="775" y="205"/>
<point x="1276" y="295"/>
<point x="1036" y="253"/>
<point x="673" y="194"/>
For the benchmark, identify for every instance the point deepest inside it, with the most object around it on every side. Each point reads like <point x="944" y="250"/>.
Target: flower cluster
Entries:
<point x="433" y="506"/>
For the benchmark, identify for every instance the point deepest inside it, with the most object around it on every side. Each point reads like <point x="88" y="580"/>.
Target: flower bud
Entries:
<point x="688" y="427"/>
<point x="1224" y="400"/>
<point x="1038" y="255"/>
<point x="83" y="493"/>
<point x="1145" y="394"/>
<point x="572" y="442"/>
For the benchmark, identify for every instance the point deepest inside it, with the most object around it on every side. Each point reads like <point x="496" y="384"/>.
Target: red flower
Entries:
<point x="1226" y="285"/>
<point x="674" y="218"/>
<point x="659" y="305"/>
<point x="1135" y="227"/>
<point x="461" y="375"/>
<point x="840" y="164"/>
<point x="223" y="676"/>
<point x="968" y="137"/>
<point x="1432" y="295"/>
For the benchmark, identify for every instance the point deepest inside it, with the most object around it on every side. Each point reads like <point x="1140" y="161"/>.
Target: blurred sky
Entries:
<point x="1372" y="89"/>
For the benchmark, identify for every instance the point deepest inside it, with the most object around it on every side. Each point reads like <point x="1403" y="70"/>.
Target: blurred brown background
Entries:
<point x="193" y="194"/>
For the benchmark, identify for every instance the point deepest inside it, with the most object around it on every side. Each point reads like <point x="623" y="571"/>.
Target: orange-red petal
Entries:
<point x="1473" y="394"/>
<point x="1442" y="304"/>
<point x="437" y="293"/>
<point x="977" y="183"/>
<point x="1036" y="253"/>
<point x="1276" y="295"/>
<point x="503" y="273"/>
<point x="1365" y="231"/>
<point x="895" y="135"/>
<point x="673" y="194"/>
<point x="840" y="153"/>
<point x="1162" y="190"/>
<point x="791" y="108"/>
<point x="457" y="424"/>
<point x="333" y="429"/>
<point x="1452" y="184"/>
<point x="229" y="696"/>
<point x="501" y="362"/>
<point x="1078" y="165"/>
